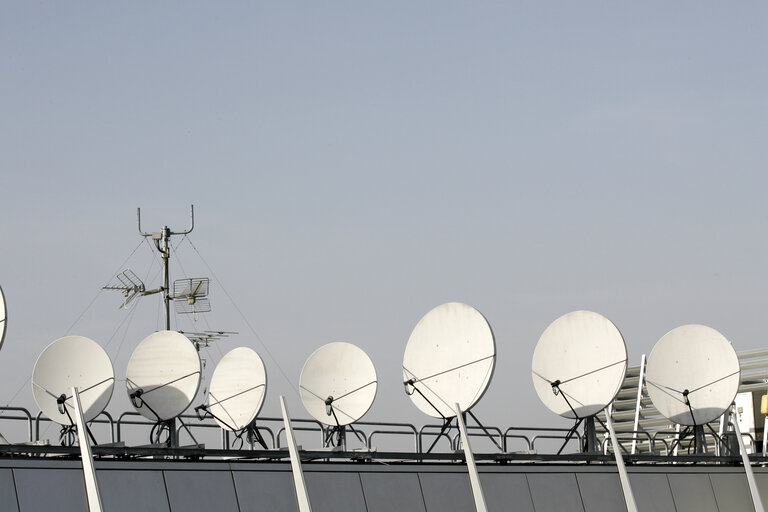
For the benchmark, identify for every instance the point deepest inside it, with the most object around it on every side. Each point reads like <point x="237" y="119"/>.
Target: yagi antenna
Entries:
<point x="204" y="339"/>
<point x="130" y="284"/>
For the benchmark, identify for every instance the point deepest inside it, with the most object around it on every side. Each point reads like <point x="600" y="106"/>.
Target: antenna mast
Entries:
<point x="162" y="241"/>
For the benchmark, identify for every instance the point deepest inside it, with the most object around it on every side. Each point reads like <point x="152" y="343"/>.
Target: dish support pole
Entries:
<point x="89" y="472"/>
<point x="626" y="487"/>
<point x="474" y="476"/>
<point x="302" y="497"/>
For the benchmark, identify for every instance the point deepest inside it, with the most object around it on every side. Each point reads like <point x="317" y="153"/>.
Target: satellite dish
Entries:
<point x="579" y="364"/>
<point x="692" y="375"/>
<point x="163" y="375"/>
<point x="338" y="384"/>
<point x="449" y="359"/>
<point x="237" y="389"/>
<point x="3" y="317"/>
<point x="72" y="361"/>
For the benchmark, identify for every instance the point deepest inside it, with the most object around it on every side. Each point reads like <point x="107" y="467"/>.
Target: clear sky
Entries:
<point x="354" y="164"/>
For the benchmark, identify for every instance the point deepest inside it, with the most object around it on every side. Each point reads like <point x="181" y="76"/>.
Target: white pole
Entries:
<point x="638" y="405"/>
<point x="302" y="497"/>
<point x="626" y="487"/>
<point x="89" y="472"/>
<point x="756" y="501"/>
<point x="474" y="476"/>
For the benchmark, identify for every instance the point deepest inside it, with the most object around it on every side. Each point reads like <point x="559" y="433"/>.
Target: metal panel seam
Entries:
<point x="672" y="493"/>
<point x="530" y="494"/>
<point x="578" y="487"/>
<point x="421" y="489"/>
<point x="234" y="486"/>
<point x="167" y="495"/>
<point x="15" y="490"/>
<point x="362" y="489"/>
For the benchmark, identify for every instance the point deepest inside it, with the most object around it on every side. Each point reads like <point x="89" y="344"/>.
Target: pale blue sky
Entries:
<point x="354" y="165"/>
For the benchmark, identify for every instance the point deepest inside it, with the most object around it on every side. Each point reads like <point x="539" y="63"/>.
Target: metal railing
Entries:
<point x="531" y="440"/>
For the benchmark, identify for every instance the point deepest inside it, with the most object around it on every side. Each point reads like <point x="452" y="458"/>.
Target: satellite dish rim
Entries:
<point x="4" y="319"/>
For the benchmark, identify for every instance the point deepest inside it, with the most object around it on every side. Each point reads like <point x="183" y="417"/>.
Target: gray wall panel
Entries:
<point x="60" y="490"/>
<point x="200" y="491"/>
<point x="445" y="492"/>
<point x="601" y="492"/>
<point x="334" y="492"/>
<point x="732" y="492"/>
<point x="263" y="491"/>
<point x="652" y="492"/>
<point x="385" y="492"/>
<point x="508" y="492"/>
<point x="555" y="492"/>
<point x="7" y="491"/>
<point x="762" y="486"/>
<point x="129" y="491"/>
<point x="692" y="492"/>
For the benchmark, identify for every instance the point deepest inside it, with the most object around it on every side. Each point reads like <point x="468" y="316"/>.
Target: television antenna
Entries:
<point x="128" y="283"/>
<point x="203" y="339"/>
<point x="162" y="379"/>
<point x="693" y="375"/>
<point x="190" y="295"/>
<point x="236" y="394"/>
<point x="72" y="361"/>
<point x="337" y="386"/>
<point x="449" y="360"/>
<point x="578" y="367"/>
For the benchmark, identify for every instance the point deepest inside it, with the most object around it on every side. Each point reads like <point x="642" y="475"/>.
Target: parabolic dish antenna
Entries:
<point x="579" y="364"/>
<point x="449" y="359"/>
<point x="163" y="375"/>
<point x="3" y="317"/>
<point x="72" y="361"/>
<point x="338" y="384"/>
<point x="692" y="375"/>
<point x="237" y="389"/>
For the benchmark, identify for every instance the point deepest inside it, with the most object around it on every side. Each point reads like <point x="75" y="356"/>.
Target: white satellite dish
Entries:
<point x="692" y="375"/>
<point x="163" y="375"/>
<point x="3" y="317"/>
<point x="449" y="360"/>
<point x="72" y="361"/>
<point x="338" y="384"/>
<point x="237" y="389"/>
<point x="579" y="364"/>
